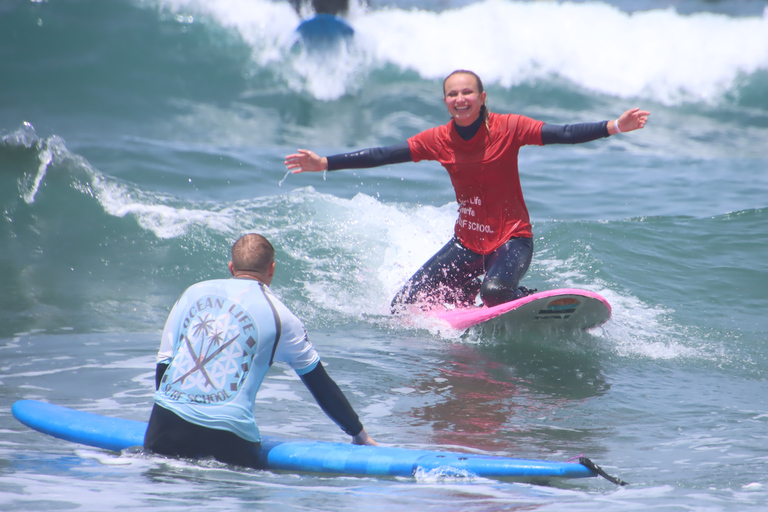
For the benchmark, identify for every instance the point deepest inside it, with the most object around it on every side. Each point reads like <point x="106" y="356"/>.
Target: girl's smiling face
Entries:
<point x="463" y="98"/>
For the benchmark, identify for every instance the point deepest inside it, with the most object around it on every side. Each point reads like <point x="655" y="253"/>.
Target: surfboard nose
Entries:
<point x="323" y="29"/>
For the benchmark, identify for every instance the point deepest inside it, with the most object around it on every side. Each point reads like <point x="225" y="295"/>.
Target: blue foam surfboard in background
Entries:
<point x="324" y="29"/>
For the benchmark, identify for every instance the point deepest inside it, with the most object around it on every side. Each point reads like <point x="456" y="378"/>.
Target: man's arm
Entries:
<point x="333" y="402"/>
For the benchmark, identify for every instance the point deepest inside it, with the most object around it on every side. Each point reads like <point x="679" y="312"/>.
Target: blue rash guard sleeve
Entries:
<point x="573" y="133"/>
<point x="331" y="400"/>
<point x="371" y="157"/>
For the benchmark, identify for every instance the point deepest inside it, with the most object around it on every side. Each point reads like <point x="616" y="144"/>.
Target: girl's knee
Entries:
<point x="495" y="291"/>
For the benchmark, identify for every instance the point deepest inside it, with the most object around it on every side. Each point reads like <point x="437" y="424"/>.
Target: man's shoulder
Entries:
<point x="209" y="284"/>
<point x="223" y="288"/>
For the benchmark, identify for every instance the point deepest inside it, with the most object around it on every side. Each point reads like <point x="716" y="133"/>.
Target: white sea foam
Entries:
<point x="384" y="244"/>
<point x="636" y="329"/>
<point x="659" y="54"/>
<point x="363" y="250"/>
<point x="165" y="221"/>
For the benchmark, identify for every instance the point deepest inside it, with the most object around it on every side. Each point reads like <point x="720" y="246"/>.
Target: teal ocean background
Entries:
<point x="139" y="139"/>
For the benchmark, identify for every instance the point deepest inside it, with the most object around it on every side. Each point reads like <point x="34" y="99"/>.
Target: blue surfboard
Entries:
<point x="301" y="455"/>
<point x="324" y="29"/>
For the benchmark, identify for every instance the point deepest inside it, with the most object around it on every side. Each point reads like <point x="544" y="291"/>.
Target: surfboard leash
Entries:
<point x="584" y="461"/>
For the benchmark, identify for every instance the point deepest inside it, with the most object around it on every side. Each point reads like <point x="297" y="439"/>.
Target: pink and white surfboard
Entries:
<point x="565" y="308"/>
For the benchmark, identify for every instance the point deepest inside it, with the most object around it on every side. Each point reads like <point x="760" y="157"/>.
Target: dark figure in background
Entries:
<point x="335" y="7"/>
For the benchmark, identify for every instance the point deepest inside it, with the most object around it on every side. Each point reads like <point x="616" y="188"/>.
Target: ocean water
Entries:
<point x="139" y="139"/>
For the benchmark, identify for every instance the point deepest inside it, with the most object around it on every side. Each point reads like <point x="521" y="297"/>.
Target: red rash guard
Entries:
<point x="484" y="174"/>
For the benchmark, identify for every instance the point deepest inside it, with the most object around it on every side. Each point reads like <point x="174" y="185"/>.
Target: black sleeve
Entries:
<point x="159" y="372"/>
<point x="371" y="157"/>
<point x="573" y="133"/>
<point x="331" y="400"/>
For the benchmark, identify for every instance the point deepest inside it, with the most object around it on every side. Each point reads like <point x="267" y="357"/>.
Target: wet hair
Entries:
<point x="252" y="253"/>
<point x="484" y="110"/>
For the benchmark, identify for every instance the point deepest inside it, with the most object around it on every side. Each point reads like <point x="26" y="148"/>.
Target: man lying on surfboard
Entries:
<point x="220" y="339"/>
<point x="479" y="149"/>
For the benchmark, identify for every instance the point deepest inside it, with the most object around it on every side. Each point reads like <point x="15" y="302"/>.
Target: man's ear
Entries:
<point x="231" y="268"/>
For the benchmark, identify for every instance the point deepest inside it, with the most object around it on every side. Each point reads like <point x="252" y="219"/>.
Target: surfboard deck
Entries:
<point x="564" y="308"/>
<point x="117" y="434"/>
<point x="322" y="29"/>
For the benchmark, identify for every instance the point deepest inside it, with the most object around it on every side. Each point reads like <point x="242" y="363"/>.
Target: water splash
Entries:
<point x="658" y="55"/>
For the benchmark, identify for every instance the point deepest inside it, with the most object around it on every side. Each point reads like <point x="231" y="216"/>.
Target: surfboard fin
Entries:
<point x="597" y="469"/>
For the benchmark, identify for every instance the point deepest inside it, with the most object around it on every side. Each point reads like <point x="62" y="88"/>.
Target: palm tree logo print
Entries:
<point x="209" y="356"/>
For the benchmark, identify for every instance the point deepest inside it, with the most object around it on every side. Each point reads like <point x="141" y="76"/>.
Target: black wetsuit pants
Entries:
<point x="451" y="275"/>
<point x="172" y="436"/>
